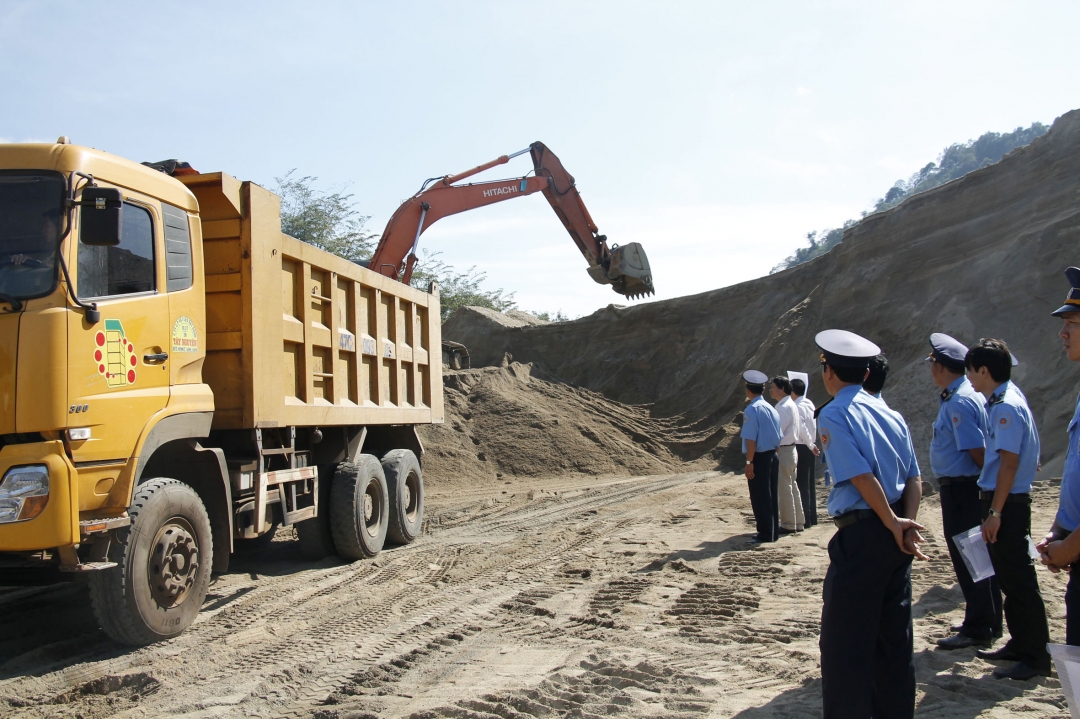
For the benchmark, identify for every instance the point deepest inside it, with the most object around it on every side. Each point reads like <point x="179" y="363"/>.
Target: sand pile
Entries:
<point x="507" y="421"/>
<point x="981" y="256"/>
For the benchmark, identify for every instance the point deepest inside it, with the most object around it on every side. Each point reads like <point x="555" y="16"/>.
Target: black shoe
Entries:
<point x="785" y="530"/>
<point x="756" y="539"/>
<point x="957" y="628"/>
<point x="962" y="641"/>
<point x="1020" y="672"/>
<point x="1005" y="654"/>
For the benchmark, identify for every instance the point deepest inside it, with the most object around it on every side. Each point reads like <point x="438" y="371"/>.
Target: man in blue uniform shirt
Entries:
<point x="1012" y="458"/>
<point x="957" y="452"/>
<point x="875" y="378"/>
<point x="867" y="666"/>
<point x="760" y="438"/>
<point x="1060" y="549"/>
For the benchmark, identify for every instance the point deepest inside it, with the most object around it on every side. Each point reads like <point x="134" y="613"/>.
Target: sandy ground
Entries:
<point x="624" y="597"/>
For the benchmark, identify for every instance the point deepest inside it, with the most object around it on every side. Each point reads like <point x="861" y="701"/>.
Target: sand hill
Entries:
<point x="981" y="256"/>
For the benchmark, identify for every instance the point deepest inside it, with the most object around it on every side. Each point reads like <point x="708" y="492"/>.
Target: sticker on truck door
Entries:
<point x="115" y="355"/>
<point x="184" y="336"/>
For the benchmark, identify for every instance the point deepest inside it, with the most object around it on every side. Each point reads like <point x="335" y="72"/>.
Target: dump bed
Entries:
<point x="298" y="336"/>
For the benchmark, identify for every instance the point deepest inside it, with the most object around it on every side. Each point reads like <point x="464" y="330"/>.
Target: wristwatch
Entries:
<point x="995" y="513"/>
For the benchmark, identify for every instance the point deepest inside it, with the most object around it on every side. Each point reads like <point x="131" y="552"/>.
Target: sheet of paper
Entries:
<point x="1067" y="661"/>
<point x="972" y="548"/>
<point x="1032" y="552"/>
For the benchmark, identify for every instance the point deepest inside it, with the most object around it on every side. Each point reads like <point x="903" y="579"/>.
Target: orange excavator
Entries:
<point x="623" y="267"/>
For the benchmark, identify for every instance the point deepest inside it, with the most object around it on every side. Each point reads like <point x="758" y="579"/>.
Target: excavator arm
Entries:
<point x="625" y="268"/>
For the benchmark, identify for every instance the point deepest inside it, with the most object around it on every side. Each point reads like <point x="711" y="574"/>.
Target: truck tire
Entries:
<point x="359" y="508"/>
<point x="405" y="485"/>
<point x="316" y="540"/>
<point x="163" y="566"/>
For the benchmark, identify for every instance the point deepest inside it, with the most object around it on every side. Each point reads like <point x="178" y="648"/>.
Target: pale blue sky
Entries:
<point x="716" y="134"/>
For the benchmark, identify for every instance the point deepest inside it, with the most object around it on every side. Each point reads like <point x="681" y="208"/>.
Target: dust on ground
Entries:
<point x="571" y="596"/>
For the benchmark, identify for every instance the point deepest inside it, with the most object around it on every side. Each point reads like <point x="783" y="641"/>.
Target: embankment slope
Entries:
<point x="981" y="256"/>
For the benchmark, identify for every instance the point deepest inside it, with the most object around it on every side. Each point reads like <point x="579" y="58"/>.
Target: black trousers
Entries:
<point x="1025" y="613"/>
<point x="804" y="477"/>
<point x="763" y="499"/>
<point x="1072" y="609"/>
<point x="867" y="664"/>
<point x="960" y="511"/>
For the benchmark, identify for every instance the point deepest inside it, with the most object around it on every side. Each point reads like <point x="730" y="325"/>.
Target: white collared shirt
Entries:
<point x="809" y="425"/>
<point x="790" y="423"/>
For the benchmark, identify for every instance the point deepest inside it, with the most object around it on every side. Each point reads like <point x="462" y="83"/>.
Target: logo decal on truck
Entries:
<point x="184" y="336"/>
<point x="115" y="355"/>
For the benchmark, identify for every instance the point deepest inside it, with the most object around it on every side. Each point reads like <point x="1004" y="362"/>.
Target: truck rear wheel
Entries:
<point x="405" y="485"/>
<point x="359" y="508"/>
<point x="316" y="541"/>
<point x="163" y="566"/>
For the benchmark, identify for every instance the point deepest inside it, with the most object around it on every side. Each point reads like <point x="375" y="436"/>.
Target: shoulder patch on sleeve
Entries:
<point x="1004" y="422"/>
<point x="825" y="438"/>
<point x="956" y="419"/>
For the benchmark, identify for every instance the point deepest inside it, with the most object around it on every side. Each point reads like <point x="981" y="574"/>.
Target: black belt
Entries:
<point x="945" y="481"/>
<point x="856" y="515"/>
<point x="789" y="445"/>
<point x="1014" y="498"/>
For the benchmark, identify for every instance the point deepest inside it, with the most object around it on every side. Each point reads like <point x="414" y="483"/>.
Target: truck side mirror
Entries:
<point x="102" y="216"/>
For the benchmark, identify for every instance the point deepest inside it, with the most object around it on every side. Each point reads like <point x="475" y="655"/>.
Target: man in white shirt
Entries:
<point x="790" y="500"/>
<point x="806" y="448"/>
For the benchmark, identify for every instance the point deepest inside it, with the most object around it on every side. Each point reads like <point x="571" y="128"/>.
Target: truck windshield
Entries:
<point x="31" y="213"/>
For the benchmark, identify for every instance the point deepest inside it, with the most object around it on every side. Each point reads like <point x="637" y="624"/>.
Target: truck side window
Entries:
<point x="177" y="248"/>
<point x="124" y="269"/>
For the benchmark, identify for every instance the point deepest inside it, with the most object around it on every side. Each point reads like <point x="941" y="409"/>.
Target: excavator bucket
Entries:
<point x="629" y="271"/>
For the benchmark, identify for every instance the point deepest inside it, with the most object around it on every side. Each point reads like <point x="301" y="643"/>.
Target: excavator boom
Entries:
<point x="625" y="267"/>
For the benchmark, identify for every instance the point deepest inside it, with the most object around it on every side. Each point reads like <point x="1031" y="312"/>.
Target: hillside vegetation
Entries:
<point x="955" y="161"/>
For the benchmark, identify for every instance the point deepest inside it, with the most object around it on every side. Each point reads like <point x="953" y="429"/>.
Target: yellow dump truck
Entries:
<point x="177" y="377"/>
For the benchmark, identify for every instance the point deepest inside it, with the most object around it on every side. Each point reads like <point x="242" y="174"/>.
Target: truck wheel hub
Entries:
<point x="173" y="563"/>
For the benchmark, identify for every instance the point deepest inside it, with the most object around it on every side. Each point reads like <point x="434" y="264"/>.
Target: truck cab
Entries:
<point x="177" y="375"/>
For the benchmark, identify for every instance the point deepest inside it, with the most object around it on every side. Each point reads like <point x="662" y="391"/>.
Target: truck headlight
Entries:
<point x="24" y="492"/>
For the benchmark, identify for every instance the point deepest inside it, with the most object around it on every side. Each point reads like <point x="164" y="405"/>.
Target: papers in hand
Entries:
<point x="972" y="548"/>
<point x="1032" y="552"/>
<point x="1067" y="661"/>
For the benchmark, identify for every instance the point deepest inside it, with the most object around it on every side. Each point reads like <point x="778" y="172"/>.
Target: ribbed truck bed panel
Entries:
<point x="298" y="336"/>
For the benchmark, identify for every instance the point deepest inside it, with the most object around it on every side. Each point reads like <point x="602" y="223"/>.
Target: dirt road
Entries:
<point x="629" y="597"/>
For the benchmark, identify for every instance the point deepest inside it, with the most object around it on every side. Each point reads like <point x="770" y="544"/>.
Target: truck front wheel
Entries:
<point x="163" y="566"/>
<point x="359" y="508"/>
<point x="405" y="482"/>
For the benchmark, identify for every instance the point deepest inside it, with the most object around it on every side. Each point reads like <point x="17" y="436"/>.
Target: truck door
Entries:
<point x="119" y="374"/>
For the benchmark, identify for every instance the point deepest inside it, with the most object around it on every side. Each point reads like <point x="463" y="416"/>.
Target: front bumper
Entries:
<point x="58" y="523"/>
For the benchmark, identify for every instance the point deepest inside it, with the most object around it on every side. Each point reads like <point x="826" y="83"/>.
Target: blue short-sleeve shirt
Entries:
<point x="960" y="426"/>
<point x="761" y="423"/>
<point x="860" y="435"/>
<point x="1010" y="427"/>
<point x="1068" y="516"/>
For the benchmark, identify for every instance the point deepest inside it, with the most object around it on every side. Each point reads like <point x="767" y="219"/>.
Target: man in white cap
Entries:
<point x="806" y="449"/>
<point x="957" y="452"/>
<point x="760" y="438"/>
<point x="867" y="660"/>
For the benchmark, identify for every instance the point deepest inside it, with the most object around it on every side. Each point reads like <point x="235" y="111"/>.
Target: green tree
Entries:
<point x="458" y="288"/>
<point x="330" y="221"/>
